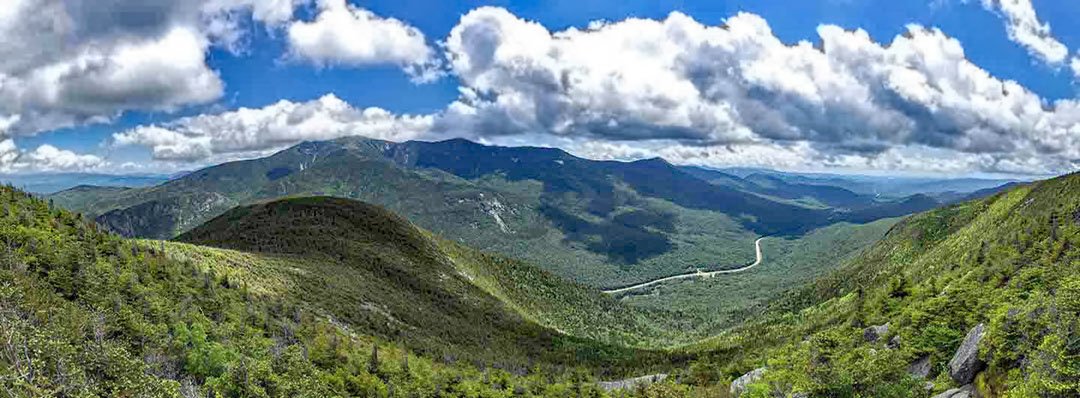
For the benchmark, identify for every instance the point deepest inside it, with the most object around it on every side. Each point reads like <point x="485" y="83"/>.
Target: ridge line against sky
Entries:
<point x="128" y="86"/>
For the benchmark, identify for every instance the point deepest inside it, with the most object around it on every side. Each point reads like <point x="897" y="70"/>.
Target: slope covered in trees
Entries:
<point x="905" y="318"/>
<point x="87" y="313"/>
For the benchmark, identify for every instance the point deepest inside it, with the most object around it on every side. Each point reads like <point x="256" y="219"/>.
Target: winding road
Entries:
<point x="696" y="274"/>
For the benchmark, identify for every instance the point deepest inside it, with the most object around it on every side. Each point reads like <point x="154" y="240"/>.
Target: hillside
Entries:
<point x="434" y="288"/>
<point x="982" y="296"/>
<point x="83" y="312"/>
<point x="600" y="223"/>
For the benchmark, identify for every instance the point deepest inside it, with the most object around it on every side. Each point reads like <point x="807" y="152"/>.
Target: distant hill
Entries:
<point x="599" y="222"/>
<point x="878" y="186"/>
<point x="47" y="183"/>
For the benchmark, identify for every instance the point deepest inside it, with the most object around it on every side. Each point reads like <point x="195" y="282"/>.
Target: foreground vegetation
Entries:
<point x="86" y="313"/>
<point x="1008" y="262"/>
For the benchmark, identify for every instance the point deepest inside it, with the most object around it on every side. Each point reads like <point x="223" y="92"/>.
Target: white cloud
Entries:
<point x="1023" y="26"/>
<point x="223" y="20"/>
<point x="44" y="158"/>
<point x="69" y="62"/>
<point x="342" y="34"/>
<point x="269" y="128"/>
<point x="739" y="86"/>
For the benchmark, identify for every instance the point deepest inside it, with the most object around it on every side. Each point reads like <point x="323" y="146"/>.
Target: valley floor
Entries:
<point x="696" y="274"/>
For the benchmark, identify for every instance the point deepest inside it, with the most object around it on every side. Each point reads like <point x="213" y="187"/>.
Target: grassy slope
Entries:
<point x="1009" y="261"/>
<point x="85" y="313"/>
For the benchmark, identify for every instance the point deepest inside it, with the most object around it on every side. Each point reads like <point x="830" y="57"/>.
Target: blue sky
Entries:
<point x="263" y="68"/>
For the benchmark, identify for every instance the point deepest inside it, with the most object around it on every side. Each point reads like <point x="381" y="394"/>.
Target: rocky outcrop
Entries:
<point x="894" y="343"/>
<point x="632" y="383"/>
<point x="920" y="368"/>
<point x="739" y="385"/>
<point x="875" y="333"/>
<point x="965" y="364"/>
<point x="966" y="391"/>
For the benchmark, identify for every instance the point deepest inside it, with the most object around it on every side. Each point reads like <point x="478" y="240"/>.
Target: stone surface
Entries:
<point x="631" y="383"/>
<point x="965" y="364"/>
<point x="920" y="368"/>
<point x="739" y="385"/>
<point x="894" y="343"/>
<point x="875" y="333"/>
<point x="966" y="391"/>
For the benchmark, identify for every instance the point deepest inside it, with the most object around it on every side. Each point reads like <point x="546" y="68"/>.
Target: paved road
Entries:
<point x="696" y="274"/>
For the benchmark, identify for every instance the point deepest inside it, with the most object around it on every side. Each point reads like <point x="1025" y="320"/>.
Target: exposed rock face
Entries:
<point x="965" y="364"/>
<point x="875" y="333"/>
<point x="966" y="391"/>
<point x="894" y="343"/>
<point x="739" y="385"/>
<point x="632" y="383"/>
<point x="920" y="368"/>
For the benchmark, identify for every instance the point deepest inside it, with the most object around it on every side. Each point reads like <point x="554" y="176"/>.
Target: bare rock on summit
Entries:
<point x="965" y="364"/>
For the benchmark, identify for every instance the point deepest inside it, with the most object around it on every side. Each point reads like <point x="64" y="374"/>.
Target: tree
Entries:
<point x="373" y="362"/>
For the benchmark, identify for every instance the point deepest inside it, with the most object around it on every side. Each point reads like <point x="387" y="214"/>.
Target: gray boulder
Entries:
<point x="739" y="385"/>
<point x="966" y="391"/>
<point x="965" y="364"/>
<point x="894" y="343"/>
<point x="875" y="333"/>
<point x="627" y="384"/>
<point x="920" y="368"/>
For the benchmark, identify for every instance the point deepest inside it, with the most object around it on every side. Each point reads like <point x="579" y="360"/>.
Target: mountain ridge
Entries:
<point x="605" y="223"/>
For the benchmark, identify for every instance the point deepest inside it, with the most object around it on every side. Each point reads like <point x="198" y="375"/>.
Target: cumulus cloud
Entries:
<point x="45" y="158"/>
<point x="68" y="62"/>
<point x="739" y="85"/>
<point x="1023" y="26"/>
<point x="343" y="34"/>
<point x="269" y="128"/>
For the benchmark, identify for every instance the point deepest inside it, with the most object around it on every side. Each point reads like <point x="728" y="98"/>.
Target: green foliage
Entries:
<point x="86" y="313"/>
<point x="1009" y="261"/>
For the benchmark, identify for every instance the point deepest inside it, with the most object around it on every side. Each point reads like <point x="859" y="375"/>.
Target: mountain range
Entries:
<point x="603" y="223"/>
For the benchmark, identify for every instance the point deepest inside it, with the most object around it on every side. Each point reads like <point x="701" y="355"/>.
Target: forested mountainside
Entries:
<point x="88" y="313"/>
<point x="601" y="223"/>
<point x="979" y="298"/>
